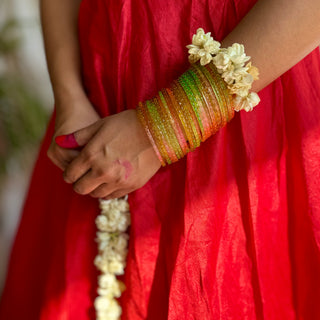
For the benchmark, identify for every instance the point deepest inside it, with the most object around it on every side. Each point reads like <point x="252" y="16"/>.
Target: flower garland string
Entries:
<point x="112" y="240"/>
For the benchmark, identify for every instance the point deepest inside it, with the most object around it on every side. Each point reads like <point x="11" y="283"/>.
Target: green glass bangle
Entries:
<point x="202" y="104"/>
<point x="174" y="124"/>
<point x="157" y="123"/>
<point x="213" y="104"/>
<point x="216" y="78"/>
<point x="169" y="131"/>
<point x="216" y="92"/>
<point x="188" y="112"/>
<point x="193" y="101"/>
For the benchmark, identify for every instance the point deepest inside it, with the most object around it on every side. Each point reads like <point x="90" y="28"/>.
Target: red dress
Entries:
<point x="232" y="231"/>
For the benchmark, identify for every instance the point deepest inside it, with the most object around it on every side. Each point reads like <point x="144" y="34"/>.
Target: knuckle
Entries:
<point x="67" y="177"/>
<point x="100" y="192"/>
<point x="79" y="189"/>
<point x="109" y="175"/>
<point x="100" y="172"/>
<point x="97" y="194"/>
<point x="121" y="181"/>
<point x="88" y="155"/>
<point x="94" y="195"/>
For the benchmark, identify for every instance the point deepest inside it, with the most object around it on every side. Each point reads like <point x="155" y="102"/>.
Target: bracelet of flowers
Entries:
<point x="112" y="240"/>
<point x="230" y="63"/>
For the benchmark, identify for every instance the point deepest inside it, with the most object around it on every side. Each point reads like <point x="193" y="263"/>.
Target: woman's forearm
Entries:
<point x="60" y="32"/>
<point x="277" y="34"/>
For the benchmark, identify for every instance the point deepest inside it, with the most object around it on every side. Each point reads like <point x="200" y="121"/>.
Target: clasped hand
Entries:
<point x="114" y="158"/>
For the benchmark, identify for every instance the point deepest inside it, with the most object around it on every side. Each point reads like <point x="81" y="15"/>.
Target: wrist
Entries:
<point x="65" y="94"/>
<point x="201" y="101"/>
<point x="75" y="108"/>
<point x="71" y="102"/>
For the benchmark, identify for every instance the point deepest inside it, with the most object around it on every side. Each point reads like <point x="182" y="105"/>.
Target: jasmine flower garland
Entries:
<point x="111" y="259"/>
<point x="230" y="63"/>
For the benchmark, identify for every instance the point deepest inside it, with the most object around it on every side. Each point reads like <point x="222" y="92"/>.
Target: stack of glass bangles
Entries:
<point x="201" y="101"/>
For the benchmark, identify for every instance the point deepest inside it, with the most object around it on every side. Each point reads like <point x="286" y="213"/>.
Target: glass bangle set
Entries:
<point x="193" y="108"/>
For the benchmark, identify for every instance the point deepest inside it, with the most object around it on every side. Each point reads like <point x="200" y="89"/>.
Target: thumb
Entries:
<point x="78" y="138"/>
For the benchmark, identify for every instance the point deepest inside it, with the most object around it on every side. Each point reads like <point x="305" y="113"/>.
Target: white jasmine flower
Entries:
<point x="200" y="37"/>
<point x="211" y="45"/>
<point x="242" y="87"/>
<point x="102" y="223"/>
<point x="106" y="280"/>
<point x="205" y="57"/>
<point x="122" y="205"/>
<point x="253" y="71"/>
<point x="203" y="47"/>
<point x="102" y="303"/>
<point x="246" y="103"/>
<point x="237" y="55"/>
<point x="103" y="245"/>
<point x="112" y="313"/>
<point x="121" y="242"/>
<point x="124" y="222"/>
<point x="109" y="286"/>
<point x="101" y="263"/>
<point x="116" y="267"/>
<point x="103" y="236"/>
<point x="113" y="221"/>
<point x="105" y="204"/>
<point x="112" y="213"/>
<point x="223" y="62"/>
<point x="231" y="76"/>
<point x="241" y="90"/>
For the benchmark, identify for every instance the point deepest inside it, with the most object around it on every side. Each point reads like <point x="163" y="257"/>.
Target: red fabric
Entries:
<point x="232" y="231"/>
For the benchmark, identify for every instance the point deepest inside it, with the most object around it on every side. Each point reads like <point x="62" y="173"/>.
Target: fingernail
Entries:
<point x="67" y="141"/>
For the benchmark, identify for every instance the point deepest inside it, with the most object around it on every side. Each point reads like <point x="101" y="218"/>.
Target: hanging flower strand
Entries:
<point x="112" y="240"/>
<point x="231" y="65"/>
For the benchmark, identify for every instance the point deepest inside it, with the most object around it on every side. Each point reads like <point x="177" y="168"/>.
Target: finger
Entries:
<point x="102" y="190"/>
<point x="59" y="163"/>
<point x="78" y="138"/>
<point x="61" y="157"/>
<point x="90" y="182"/>
<point x="76" y="169"/>
<point x="67" y="141"/>
<point x="67" y="157"/>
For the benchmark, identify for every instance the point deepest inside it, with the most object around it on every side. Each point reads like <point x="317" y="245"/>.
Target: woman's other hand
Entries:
<point x="71" y="115"/>
<point x="117" y="157"/>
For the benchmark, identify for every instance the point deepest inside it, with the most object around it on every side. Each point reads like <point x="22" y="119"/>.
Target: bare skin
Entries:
<point x="277" y="34"/>
<point x="73" y="109"/>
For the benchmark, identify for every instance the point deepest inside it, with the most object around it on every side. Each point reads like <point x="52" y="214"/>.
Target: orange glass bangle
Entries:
<point x="221" y="93"/>
<point x="185" y="123"/>
<point x="157" y="126"/>
<point x="228" y="97"/>
<point x="213" y="105"/>
<point x="140" y="113"/>
<point x="169" y="134"/>
<point x="175" y="121"/>
<point x="188" y="112"/>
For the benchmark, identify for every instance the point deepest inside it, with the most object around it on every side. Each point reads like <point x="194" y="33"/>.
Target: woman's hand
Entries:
<point x="117" y="157"/>
<point x="77" y="114"/>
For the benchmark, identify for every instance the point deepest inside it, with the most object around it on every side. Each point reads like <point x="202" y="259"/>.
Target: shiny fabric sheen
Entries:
<point x="232" y="231"/>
